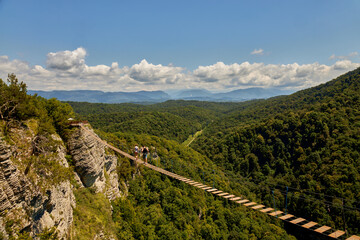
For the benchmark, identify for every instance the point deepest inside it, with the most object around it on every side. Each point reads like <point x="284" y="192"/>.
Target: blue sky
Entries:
<point x="169" y="44"/>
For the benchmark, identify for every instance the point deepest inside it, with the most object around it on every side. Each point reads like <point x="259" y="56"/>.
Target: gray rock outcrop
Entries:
<point x="14" y="187"/>
<point x="91" y="162"/>
<point x="112" y="190"/>
<point x="33" y="206"/>
<point x="89" y="159"/>
<point x="57" y="209"/>
<point x="22" y="200"/>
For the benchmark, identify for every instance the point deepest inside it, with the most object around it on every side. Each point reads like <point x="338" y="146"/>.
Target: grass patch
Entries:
<point x="45" y="171"/>
<point x="92" y="215"/>
<point x="191" y="138"/>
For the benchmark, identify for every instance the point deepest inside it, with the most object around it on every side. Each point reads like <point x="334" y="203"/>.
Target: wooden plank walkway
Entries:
<point x="270" y="211"/>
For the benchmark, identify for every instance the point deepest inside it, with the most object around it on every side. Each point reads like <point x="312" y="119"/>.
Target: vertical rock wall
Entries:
<point x="34" y="210"/>
<point x="23" y="202"/>
<point x="91" y="163"/>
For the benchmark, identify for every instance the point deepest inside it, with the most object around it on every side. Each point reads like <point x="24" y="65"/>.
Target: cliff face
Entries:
<point x="35" y="188"/>
<point x="92" y="163"/>
<point x="24" y="205"/>
<point x="15" y="188"/>
<point x="15" y="192"/>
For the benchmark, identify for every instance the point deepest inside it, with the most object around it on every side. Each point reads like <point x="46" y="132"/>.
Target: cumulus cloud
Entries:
<point x="66" y="60"/>
<point x="68" y="70"/>
<point x="150" y="73"/>
<point x="257" y="52"/>
<point x="293" y="76"/>
<point x="351" y="55"/>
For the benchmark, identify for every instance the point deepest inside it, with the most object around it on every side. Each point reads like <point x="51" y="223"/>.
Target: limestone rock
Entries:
<point x="112" y="191"/>
<point x="91" y="163"/>
<point x="89" y="158"/>
<point x="22" y="201"/>
<point x="57" y="210"/>
<point x="60" y="150"/>
<point x="14" y="187"/>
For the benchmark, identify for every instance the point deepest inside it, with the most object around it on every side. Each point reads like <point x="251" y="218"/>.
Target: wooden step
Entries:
<point x="258" y="206"/>
<point x="336" y="234"/>
<point x="229" y="196"/>
<point x="287" y="216"/>
<point x="223" y="194"/>
<point x="212" y="190"/>
<point x="275" y="213"/>
<point x="309" y="224"/>
<point x="250" y="204"/>
<point x="199" y="184"/>
<point x="217" y="192"/>
<point x="322" y="229"/>
<point x="193" y="183"/>
<point x="234" y="199"/>
<point x="266" y="210"/>
<point x="353" y="237"/>
<point x="243" y="201"/>
<point x="298" y="220"/>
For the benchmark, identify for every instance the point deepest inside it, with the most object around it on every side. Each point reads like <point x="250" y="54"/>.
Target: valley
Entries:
<point x="297" y="154"/>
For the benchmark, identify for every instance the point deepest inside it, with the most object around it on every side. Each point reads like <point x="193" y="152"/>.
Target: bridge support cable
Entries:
<point x="313" y="226"/>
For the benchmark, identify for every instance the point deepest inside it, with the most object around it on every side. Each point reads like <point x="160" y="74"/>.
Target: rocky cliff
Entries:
<point x="25" y="205"/>
<point x="92" y="163"/>
<point x="36" y="190"/>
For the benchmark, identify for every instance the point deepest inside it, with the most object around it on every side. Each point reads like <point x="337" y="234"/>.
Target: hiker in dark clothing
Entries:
<point x="145" y="152"/>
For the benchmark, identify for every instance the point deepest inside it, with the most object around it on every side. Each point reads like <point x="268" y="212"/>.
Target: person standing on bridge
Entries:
<point x="136" y="151"/>
<point x="145" y="152"/>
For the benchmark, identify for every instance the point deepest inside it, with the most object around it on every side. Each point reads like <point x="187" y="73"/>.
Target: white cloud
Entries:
<point x="150" y="73"/>
<point x="68" y="70"/>
<point x="257" y="52"/>
<point x="293" y="76"/>
<point x="351" y="55"/>
<point x="66" y="60"/>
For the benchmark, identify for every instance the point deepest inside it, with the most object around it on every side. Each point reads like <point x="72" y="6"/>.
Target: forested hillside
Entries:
<point x="340" y="91"/>
<point x="298" y="153"/>
<point x="173" y="119"/>
<point x="311" y="143"/>
<point x="44" y="151"/>
<point x="303" y="147"/>
<point x="159" y="207"/>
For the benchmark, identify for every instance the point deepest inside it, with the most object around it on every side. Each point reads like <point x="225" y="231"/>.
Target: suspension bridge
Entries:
<point x="284" y="216"/>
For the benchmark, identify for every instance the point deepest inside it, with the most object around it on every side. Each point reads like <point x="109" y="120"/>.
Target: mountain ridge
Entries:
<point x="97" y="96"/>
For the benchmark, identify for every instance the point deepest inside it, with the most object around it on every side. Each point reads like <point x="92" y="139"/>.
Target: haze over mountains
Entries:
<point x="95" y="96"/>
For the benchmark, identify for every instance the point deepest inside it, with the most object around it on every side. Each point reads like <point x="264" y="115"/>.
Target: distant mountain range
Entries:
<point x="232" y="96"/>
<point x="94" y="96"/>
<point x="104" y="97"/>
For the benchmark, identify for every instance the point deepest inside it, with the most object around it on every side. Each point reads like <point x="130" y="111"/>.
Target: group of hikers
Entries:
<point x="143" y="150"/>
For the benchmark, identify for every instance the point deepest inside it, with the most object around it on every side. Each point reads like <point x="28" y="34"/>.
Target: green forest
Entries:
<point x="302" y="148"/>
<point x="298" y="153"/>
<point x="156" y="207"/>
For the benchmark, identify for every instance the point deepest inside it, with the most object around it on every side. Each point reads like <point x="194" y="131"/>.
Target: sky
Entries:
<point x="165" y="45"/>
